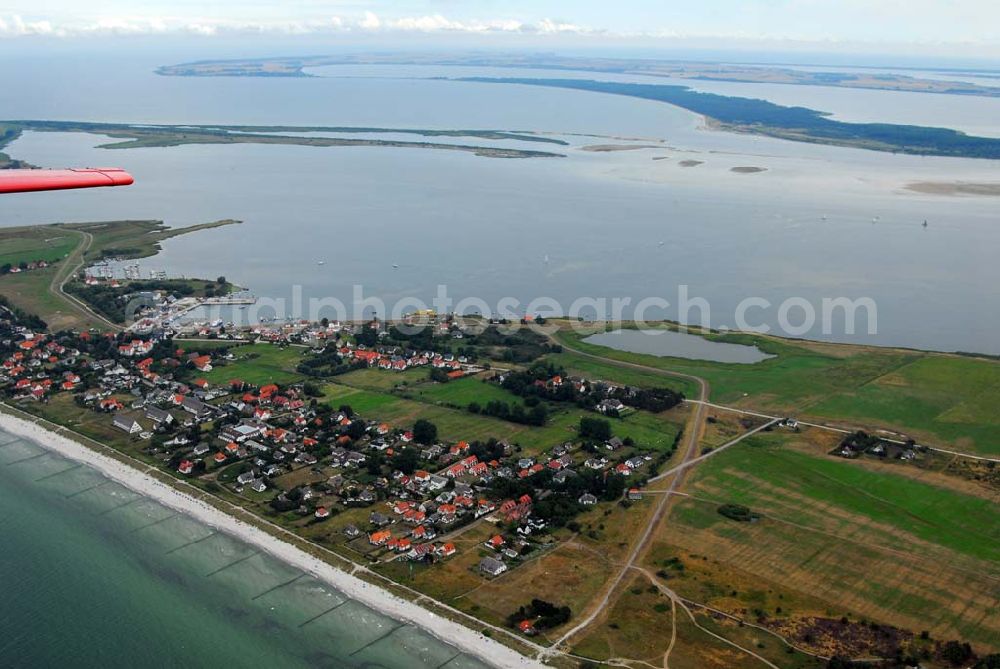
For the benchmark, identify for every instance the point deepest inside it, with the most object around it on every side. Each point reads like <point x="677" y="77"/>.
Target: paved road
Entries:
<point x="69" y="268"/>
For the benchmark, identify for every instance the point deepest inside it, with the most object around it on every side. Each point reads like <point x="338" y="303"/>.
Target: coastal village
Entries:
<point x="407" y="495"/>
<point x="451" y="458"/>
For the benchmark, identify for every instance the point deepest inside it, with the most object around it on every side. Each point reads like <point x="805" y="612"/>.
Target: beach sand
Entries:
<point x="461" y="637"/>
<point x="611" y="148"/>
<point x="954" y="188"/>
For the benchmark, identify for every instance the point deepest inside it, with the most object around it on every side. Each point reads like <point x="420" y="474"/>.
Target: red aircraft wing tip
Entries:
<point x="19" y="181"/>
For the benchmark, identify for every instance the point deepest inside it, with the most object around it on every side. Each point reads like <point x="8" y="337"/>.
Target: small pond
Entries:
<point x="667" y="343"/>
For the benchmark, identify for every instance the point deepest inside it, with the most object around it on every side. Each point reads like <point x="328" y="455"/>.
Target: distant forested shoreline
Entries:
<point x="795" y="123"/>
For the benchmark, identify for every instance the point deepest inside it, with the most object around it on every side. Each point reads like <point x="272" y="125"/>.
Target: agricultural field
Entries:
<point x="947" y="400"/>
<point x="835" y="538"/>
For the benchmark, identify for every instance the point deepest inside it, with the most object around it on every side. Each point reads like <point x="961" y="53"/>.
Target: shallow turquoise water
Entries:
<point x="93" y="574"/>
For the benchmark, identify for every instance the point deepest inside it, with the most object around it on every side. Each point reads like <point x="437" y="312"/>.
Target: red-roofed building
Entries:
<point x="203" y="363"/>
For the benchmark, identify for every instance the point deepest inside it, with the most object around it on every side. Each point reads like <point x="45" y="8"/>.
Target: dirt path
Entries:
<point x="693" y="432"/>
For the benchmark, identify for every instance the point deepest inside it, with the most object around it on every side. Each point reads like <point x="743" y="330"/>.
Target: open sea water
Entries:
<point x="93" y="574"/>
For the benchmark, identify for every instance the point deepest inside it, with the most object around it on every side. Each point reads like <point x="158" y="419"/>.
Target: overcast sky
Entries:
<point x="969" y="27"/>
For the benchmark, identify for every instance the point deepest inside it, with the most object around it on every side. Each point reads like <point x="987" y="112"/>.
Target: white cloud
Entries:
<point x="15" y="26"/>
<point x="790" y="21"/>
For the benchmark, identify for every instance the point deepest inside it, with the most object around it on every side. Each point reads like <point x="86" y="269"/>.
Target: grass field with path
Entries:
<point x="837" y="538"/>
<point x="946" y="400"/>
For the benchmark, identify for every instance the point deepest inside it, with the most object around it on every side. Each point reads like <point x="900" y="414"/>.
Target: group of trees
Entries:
<point x="425" y="432"/>
<point x="327" y="363"/>
<point x="594" y="429"/>
<point x="542" y="614"/>
<point x="536" y="382"/>
<point x="738" y="512"/>
<point x="653" y="400"/>
<point x="512" y="411"/>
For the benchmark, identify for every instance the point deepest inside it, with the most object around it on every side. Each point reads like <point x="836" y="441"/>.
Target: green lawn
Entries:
<point x="463" y="391"/>
<point x="374" y="378"/>
<point x="944" y="399"/>
<point x="258" y="364"/>
<point x="206" y="345"/>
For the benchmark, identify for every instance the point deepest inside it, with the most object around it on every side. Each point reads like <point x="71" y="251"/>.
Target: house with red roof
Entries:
<point x="379" y="538"/>
<point x="203" y="363"/>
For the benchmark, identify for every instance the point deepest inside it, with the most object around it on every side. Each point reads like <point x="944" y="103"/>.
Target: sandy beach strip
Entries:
<point x="464" y="639"/>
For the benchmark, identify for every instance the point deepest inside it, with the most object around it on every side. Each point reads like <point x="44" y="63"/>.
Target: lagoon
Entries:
<point x="819" y="222"/>
<point x="673" y="344"/>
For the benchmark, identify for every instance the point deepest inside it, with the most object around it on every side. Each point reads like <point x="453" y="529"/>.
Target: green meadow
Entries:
<point x="946" y="400"/>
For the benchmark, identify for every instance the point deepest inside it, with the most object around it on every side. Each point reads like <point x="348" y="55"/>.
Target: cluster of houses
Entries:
<point x="397" y="360"/>
<point x="24" y="267"/>
<point x="23" y="369"/>
<point x="248" y="437"/>
<point x="857" y="444"/>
